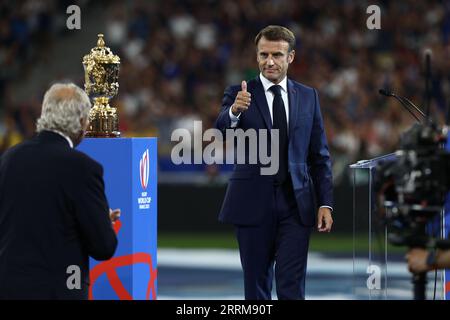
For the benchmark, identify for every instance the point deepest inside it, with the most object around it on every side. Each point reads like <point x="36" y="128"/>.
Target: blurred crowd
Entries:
<point x="177" y="57"/>
<point x="28" y="29"/>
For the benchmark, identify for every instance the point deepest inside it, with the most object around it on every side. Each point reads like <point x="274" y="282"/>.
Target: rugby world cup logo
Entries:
<point x="144" y="169"/>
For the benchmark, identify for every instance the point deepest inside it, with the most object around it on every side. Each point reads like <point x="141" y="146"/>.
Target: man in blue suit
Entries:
<point x="274" y="214"/>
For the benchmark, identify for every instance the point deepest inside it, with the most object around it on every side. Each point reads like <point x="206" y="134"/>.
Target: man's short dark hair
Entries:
<point x="277" y="33"/>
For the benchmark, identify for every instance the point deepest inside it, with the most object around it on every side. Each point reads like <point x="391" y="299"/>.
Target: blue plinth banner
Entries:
<point x="130" y="174"/>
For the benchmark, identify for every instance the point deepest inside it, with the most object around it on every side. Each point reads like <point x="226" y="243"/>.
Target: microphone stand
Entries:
<point x="406" y="103"/>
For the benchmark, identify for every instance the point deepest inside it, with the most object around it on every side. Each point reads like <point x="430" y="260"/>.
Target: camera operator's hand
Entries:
<point x="421" y="260"/>
<point x="417" y="260"/>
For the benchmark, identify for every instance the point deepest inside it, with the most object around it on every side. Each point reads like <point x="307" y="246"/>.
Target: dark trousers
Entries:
<point x="282" y="240"/>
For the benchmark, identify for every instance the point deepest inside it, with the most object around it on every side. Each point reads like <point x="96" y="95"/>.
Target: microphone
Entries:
<point x="391" y="94"/>
<point x="405" y="102"/>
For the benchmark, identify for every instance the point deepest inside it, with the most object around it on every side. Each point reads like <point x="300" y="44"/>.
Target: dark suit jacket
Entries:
<point x="53" y="214"/>
<point x="249" y="195"/>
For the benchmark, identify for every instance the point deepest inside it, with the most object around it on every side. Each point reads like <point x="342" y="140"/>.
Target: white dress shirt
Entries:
<point x="269" y="98"/>
<point x="64" y="136"/>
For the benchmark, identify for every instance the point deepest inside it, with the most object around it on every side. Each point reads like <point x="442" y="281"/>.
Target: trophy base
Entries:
<point x="103" y="121"/>
<point x="93" y="134"/>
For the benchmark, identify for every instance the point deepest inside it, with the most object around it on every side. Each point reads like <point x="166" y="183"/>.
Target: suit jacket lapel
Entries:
<point x="261" y="103"/>
<point x="294" y="105"/>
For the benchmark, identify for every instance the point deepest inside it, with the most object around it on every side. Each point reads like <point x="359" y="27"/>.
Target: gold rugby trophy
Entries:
<point x="101" y="76"/>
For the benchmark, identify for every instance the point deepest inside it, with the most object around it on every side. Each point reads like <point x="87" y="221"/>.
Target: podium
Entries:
<point x="130" y="175"/>
<point x="379" y="269"/>
<point x="370" y="246"/>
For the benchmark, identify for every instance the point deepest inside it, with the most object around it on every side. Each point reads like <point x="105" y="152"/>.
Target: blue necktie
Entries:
<point x="280" y="123"/>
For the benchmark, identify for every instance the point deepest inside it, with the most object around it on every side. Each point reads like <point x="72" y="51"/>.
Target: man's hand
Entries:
<point x="417" y="260"/>
<point x="324" y="220"/>
<point x="242" y="101"/>
<point x="114" y="215"/>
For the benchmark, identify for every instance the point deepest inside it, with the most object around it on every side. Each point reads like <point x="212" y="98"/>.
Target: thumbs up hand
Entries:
<point x="242" y="101"/>
<point x="244" y="86"/>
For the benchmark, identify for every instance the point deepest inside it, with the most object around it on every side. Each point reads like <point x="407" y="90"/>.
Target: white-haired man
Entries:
<point x="53" y="210"/>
